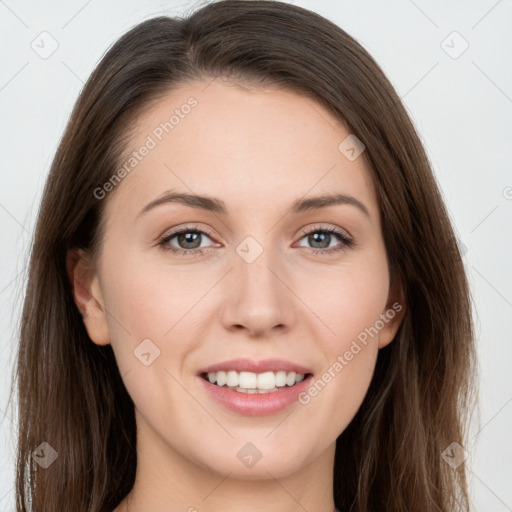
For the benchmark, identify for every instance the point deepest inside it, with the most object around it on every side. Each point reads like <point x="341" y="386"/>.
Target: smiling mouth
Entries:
<point x="255" y="383"/>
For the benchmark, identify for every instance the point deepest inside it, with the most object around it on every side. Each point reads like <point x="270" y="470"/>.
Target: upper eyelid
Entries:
<point x="320" y="227"/>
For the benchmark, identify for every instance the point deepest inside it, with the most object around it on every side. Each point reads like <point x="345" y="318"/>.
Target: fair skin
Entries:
<point x="258" y="151"/>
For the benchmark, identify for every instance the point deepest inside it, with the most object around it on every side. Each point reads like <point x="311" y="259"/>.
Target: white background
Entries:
<point x="461" y="106"/>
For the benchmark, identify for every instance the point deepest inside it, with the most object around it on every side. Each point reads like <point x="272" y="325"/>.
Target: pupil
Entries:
<point x="189" y="238"/>
<point x="324" y="240"/>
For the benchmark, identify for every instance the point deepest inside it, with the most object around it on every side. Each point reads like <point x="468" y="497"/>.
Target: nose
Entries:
<point x="258" y="298"/>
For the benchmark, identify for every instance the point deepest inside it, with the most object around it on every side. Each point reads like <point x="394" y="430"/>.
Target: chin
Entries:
<point x="248" y="463"/>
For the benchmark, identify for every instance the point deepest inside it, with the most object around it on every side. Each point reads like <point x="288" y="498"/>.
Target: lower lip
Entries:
<point x="252" y="404"/>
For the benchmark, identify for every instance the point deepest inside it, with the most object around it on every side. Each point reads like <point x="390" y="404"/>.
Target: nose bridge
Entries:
<point x="255" y="268"/>
<point x="257" y="299"/>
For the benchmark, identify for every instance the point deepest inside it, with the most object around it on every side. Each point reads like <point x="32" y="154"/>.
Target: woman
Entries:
<point x="245" y="290"/>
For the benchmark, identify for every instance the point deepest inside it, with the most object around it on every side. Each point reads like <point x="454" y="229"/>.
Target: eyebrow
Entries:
<point x="215" y="205"/>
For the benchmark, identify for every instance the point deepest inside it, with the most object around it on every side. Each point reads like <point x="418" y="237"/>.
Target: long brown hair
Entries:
<point x="71" y="395"/>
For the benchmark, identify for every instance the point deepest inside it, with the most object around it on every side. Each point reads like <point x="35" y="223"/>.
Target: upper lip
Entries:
<point x="250" y="365"/>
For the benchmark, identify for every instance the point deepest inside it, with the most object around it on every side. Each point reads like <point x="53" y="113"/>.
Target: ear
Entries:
<point x="393" y="314"/>
<point x="87" y="295"/>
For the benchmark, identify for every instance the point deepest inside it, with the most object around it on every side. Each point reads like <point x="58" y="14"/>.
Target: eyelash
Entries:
<point x="346" y="242"/>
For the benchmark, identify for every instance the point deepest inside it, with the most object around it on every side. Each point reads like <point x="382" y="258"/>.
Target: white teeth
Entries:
<point x="221" y="378"/>
<point x="232" y="379"/>
<point x="249" y="382"/>
<point x="266" y="380"/>
<point x="281" y="378"/>
<point x="246" y="380"/>
<point x="290" y="379"/>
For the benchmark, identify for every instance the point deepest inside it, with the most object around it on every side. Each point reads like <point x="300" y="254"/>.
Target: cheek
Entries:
<point x="348" y="299"/>
<point x="152" y="333"/>
<point x="149" y="295"/>
<point x="147" y="306"/>
<point x="349" y="302"/>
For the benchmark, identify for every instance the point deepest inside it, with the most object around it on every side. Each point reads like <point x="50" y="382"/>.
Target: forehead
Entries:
<point x="250" y="147"/>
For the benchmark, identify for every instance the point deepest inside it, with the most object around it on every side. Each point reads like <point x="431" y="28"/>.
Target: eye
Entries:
<point x="321" y="239"/>
<point x="188" y="241"/>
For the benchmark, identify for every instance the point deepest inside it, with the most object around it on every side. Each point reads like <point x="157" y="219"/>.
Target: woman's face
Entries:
<point x="256" y="286"/>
